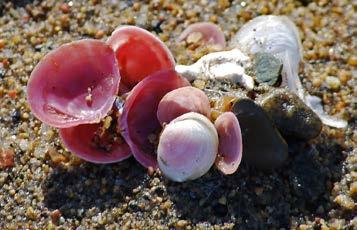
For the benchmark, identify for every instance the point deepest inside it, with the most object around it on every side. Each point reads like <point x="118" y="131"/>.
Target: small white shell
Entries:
<point x="188" y="147"/>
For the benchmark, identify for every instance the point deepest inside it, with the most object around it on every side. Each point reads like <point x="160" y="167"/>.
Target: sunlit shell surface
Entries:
<point x="74" y="84"/>
<point x="139" y="54"/>
<point x="276" y="35"/>
<point x="80" y="140"/>
<point x="139" y="124"/>
<point x="188" y="147"/>
<point x="230" y="143"/>
<point x="279" y="36"/>
<point x="183" y="100"/>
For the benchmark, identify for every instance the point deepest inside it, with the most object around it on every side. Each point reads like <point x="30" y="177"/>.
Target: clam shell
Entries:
<point x="188" y="147"/>
<point x="181" y="101"/>
<point x="139" y="54"/>
<point x="75" y="84"/>
<point x="139" y="120"/>
<point x="230" y="143"/>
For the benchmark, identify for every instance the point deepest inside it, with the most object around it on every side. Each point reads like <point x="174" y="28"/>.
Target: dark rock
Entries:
<point x="16" y="117"/>
<point x="2" y="73"/>
<point x="290" y="114"/>
<point x="267" y="68"/>
<point x="220" y="210"/>
<point x="263" y="145"/>
<point x="307" y="177"/>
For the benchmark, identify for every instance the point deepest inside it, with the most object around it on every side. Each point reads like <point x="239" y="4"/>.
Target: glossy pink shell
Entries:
<point x="230" y="143"/>
<point x="181" y="101"/>
<point x="139" y="118"/>
<point x="60" y="84"/>
<point x="79" y="140"/>
<point x="139" y="54"/>
<point x="211" y="33"/>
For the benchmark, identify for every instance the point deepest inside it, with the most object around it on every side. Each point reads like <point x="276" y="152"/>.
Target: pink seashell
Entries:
<point x="139" y="54"/>
<point x="230" y="143"/>
<point x="188" y="147"/>
<point x="80" y="140"/>
<point x="183" y="100"/>
<point x="74" y="84"/>
<point x="211" y="33"/>
<point x="139" y="122"/>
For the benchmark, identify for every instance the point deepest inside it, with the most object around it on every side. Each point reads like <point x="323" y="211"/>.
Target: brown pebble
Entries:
<point x="56" y="157"/>
<point x="31" y="214"/>
<point x="55" y="215"/>
<point x="65" y="21"/>
<point x="181" y="223"/>
<point x="344" y="76"/>
<point x="150" y="171"/>
<point x="303" y="227"/>
<point x="345" y="201"/>
<point x="65" y="8"/>
<point x="136" y="6"/>
<point x="352" y="61"/>
<point x="353" y="189"/>
<point x="100" y="34"/>
<point x="5" y="63"/>
<point x="6" y="158"/>
<point x="246" y="15"/>
<point x="2" y="44"/>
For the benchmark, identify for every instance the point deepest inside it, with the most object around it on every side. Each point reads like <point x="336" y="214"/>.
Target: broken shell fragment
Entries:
<point x="181" y="101"/>
<point x="92" y="144"/>
<point x="264" y="147"/>
<point x="225" y="65"/>
<point x="207" y="32"/>
<point x="138" y="123"/>
<point x="139" y="54"/>
<point x="230" y="143"/>
<point x="74" y="84"/>
<point x="188" y="147"/>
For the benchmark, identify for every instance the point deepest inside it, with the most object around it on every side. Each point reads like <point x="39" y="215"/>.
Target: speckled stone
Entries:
<point x="290" y="115"/>
<point x="267" y="68"/>
<point x="263" y="146"/>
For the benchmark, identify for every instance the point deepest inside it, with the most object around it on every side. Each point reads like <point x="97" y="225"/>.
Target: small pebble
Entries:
<point x="222" y="200"/>
<point x="333" y="82"/>
<point x="353" y="189"/>
<point x="55" y="215"/>
<point x="181" y="223"/>
<point x="352" y="61"/>
<point x="56" y="157"/>
<point x="6" y="158"/>
<point x="345" y="201"/>
<point x="31" y="214"/>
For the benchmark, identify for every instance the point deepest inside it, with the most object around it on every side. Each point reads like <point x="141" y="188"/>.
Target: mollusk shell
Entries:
<point x="139" y="119"/>
<point x="211" y="33"/>
<point x="188" y="147"/>
<point x="139" y="54"/>
<point x="74" y="84"/>
<point x="181" y="101"/>
<point x="79" y="140"/>
<point x="230" y="143"/>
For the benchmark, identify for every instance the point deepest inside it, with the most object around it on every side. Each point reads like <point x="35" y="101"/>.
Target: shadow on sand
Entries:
<point x="251" y="199"/>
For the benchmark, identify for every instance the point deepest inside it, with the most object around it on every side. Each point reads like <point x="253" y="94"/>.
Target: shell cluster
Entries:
<point x="162" y="120"/>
